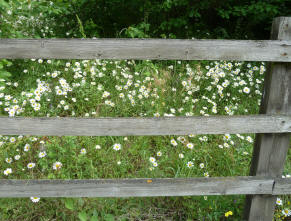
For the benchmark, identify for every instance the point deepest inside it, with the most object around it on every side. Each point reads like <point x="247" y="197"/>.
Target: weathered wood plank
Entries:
<point x="145" y="187"/>
<point x="282" y="186"/>
<point x="154" y="49"/>
<point x="136" y="187"/>
<point x="270" y="150"/>
<point x="145" y="126"/>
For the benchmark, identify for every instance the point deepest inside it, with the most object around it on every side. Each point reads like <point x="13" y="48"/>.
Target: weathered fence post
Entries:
<point x="270" y="150"/>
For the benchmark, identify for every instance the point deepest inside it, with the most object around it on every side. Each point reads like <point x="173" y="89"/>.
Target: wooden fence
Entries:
<point x="272" y="125"/>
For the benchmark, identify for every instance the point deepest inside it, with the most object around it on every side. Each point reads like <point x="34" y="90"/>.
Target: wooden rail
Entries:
<point x="154" y="49"/>
<point x="145" y="187"/>
<point x="145" y="126"/>
<point x="272" y="125"/>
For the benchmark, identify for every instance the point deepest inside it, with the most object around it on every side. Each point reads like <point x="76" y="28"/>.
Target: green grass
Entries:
<point x="132" y="161"/>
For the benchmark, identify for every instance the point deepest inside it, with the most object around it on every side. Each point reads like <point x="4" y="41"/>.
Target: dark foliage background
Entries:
<point x="228" y="19"/>
<point x="243" y="19"/>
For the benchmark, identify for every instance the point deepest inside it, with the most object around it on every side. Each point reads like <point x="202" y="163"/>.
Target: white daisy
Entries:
<point x="57" y="165"/>
<point x="83" y="151"/>
<point x="279" y="202"/>
<point x="190" y="164"/>
<point x="30" y="165"/>
<point x="173" y="142"/>
<point x="42" y="154"/>
<point x="190" y="145"/>
<point x="35" y="199"/>
<point x="246" y="90"/>
<point x="286" y="212"/>
<point x="152" y="159"/>
<point x="8" y="160"/>
<point x="117" y="146"/>
<point x="7" y="171"/>
<point x="26" y="147"/>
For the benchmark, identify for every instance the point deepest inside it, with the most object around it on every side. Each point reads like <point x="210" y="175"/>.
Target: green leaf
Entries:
<point x="109" y="217"/>
<point x="69" y="204"/>
<point x="4" y="4"/>
<point x="94" y="218"/>
<point x="83" y="216"/>
<point x="147" y="73"/>
<point x="4" y="74"/>
<point x="81" y="202"/>
<point x="51" y="176"/>
<point x="8" y="63"/>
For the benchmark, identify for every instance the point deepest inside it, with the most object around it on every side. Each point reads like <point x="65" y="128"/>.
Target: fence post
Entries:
<point x="270" y="150"/>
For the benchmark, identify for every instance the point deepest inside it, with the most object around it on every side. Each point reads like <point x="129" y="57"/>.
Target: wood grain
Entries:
<point x="145" y="126"/>
<point x="144" y="187"/>
<point x="152" y="49"/>
<point x="270" y="150"/>
<point x="282" y="186"/>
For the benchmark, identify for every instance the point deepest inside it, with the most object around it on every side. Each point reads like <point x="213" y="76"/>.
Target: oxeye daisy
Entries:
<point x="157" y="115"/>
<point x="117" y="146"/>
<point x="159" y="153"/>
<point x="30" y="165"/>
<point x="12" y="139"/>
<point x="227" y="137"/>
<point x="190" y="164"/>
<point x="34" y="199"/>
<point x="97" y="147"/>
<point x="57" y="165"/>
<point x="152" y="159"/>
<point x="286" y="212"/>
<point x="279" y="202"/>
<point x="184" y="83"/>
<point x="181" y="139"/>
<point x="190" y="145"/>
<point x="8" y="160"/>
<point x="7" y="171"/>
<point x="26" y="147"/>
<point x="201" y="165"/>
<point x="42" y="154"/>
<point x="59" y="92"/>
<point x="181" y="155"/>
<point x="83" y="151"/>
<point x="173" y="142"/>
<point x="246" y="90"/>
<point x="249" y="139"/>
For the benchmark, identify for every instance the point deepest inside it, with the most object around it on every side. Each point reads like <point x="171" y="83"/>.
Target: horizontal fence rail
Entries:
<point x="145" y="187"/>
<point x="145" y="126"/>
<point x="153" y="49"/>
